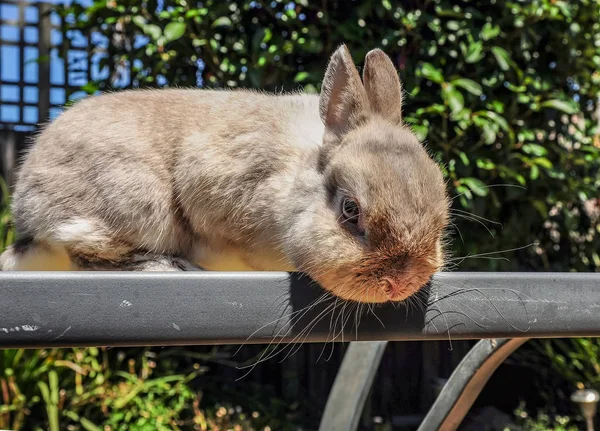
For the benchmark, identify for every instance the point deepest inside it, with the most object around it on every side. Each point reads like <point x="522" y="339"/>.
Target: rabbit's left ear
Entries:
<point x="382" y="85"/>
<point x="343" y="103"/>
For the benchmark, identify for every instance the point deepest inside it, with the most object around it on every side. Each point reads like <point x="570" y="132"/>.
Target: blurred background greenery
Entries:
<point x="505" y="95"/>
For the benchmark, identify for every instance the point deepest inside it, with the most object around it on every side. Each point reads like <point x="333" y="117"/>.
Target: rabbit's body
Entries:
<point x="128" y="172"/>
<point x="334" y="185"/>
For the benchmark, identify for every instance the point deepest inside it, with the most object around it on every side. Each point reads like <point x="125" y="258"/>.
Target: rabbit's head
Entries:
<point x="376" y="234"/>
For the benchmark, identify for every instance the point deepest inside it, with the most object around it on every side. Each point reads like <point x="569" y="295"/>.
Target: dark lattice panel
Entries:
<point x="40" y="67"/>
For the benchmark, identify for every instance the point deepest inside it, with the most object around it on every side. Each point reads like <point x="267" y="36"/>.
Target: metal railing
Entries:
<point x="54" y="309"/>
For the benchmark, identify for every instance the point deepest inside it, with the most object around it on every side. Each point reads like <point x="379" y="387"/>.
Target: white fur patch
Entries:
<point x="8" y="260"/>
<point x="79" y="230"/>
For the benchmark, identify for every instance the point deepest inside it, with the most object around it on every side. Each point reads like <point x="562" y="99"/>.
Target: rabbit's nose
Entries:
<point x="395" y="289"/>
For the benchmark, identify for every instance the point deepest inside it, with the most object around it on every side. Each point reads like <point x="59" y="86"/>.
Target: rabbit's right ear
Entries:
<point x="343" y="102"/>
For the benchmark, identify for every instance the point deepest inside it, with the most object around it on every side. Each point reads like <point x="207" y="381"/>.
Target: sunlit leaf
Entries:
<point x="560" y="105"/>
<point x="474" y="52"/>
<point x="469" y="85"/>
<point x="453" y="98"/>
<point x="223" y="21"/>
<point x="477" y="186"/>
<point x="174" y="30"/>
<point x="432" y="73"/>
<point x="153" y="31"/>
<point x="502" y="57"/>
<point x="489" y="31"/>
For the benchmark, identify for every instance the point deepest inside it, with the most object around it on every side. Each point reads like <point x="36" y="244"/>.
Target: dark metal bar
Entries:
<point x="20" y="104"/>
<point x="355" y="377"/>
<point x="352" y="386"/>
<point x="21" y="45"/>
<point x="466" y="383"/>
<point x="44" y="44"/>
<point x="39" y="309"/>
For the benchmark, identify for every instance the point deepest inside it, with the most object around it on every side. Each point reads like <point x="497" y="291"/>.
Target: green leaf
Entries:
<point x="478" y="187"/>
<point x="469" y="85"/>
<point x="534" y="149"/>
<point x="436" y="108"/>
<point x="193" y="13"/>
<point x="497" y="106"/>
<point x="489" y="31"/>
<point x="140" y="21"/>
<point x="474" y="52"/>
<point x="90" y="87"/>
<point x="174" y="30"/>
<point x="453" y="25"/>
<point x="498" y="119"/>
<point x="153" y="31"/>
<point x="543" y="162"/>
<point x="89" y="425"/>
<point x="489" y="134"/>
<point x="268" y="34"/>
<point x="432" y="73"/>
<point x="516" y="88"/>
<point x="45" y="391"/>
<point x="224" y="21"/>
<point x="502" y="57"/>
<point x="560" y="105"/>
<point x="301" y="76"/>
<point x="453" y="98"/>
<point x="420" y="131"/>
<point x="486" y="164"/>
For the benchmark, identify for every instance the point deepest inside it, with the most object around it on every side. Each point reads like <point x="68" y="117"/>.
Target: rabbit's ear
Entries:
<point x="343" y="103"/>
<point x="382" y="85"/>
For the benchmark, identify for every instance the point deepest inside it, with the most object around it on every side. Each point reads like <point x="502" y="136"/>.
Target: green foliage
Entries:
<point x="564" y="365"/>
<point x="541" y="422"/>
<point x="96" y="389"/>
<point x="501" y="92"/>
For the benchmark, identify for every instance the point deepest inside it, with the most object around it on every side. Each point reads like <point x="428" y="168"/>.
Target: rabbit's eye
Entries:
<point x="351" y="217"/>
<point x="350" y="211"/>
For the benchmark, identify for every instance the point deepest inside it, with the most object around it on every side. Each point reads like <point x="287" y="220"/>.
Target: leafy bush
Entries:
<point x="98" y="389"/>
<point x="562" y="366"/>
<point x="541" y="422"/>
<point x="503" y="92"/>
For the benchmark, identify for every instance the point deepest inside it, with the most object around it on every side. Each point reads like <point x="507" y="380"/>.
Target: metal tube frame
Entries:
<point x="503" y="310"/>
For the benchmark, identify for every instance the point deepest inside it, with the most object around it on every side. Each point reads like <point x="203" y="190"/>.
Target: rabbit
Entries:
<point x="331" y="185"/>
